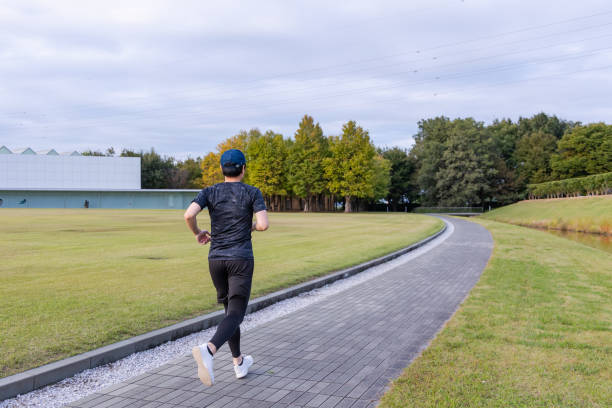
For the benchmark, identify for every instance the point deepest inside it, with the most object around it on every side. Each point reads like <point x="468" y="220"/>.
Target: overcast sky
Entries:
<point x="181" y="76"/>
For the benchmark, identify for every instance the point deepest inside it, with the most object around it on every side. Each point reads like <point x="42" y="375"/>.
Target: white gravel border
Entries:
<point x="96" y="379"/>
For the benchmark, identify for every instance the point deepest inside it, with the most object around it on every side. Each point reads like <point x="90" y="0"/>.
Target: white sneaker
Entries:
<point x="243" y="369"/>
<point x="205" y="364"/>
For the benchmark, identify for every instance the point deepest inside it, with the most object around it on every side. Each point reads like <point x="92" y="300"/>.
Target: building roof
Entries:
<point x="24" y="150"/>
<point x="48" y="152"/>
<point x="44" y="152"/>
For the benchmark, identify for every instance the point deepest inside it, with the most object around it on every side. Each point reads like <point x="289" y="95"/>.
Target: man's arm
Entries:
<point x="203" y="237"/>
<point x="261" y="223"/>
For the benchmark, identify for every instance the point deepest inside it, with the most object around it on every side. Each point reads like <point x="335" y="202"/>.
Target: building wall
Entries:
<point x="150" y="199"/>
<point x="19" y="171"/>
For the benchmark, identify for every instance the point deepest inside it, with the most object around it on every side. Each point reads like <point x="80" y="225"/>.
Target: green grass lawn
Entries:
<point x="536" y="331"/>
<point x="74" y="280"/>
<point x="587" y="214"/>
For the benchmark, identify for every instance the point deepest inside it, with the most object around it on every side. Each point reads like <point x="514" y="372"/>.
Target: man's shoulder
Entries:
<point x="223" y="187"/>
<point x="214" y="187"/>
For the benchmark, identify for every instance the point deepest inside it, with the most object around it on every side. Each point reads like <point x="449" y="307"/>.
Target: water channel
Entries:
<point x="603" y="242"/>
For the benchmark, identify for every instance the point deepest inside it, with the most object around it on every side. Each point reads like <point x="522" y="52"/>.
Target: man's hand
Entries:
<point x="261" y="223"/>
<point x="203" y="237"/>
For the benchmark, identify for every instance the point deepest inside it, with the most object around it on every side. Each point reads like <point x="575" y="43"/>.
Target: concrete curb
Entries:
<point x="54" y="372"/>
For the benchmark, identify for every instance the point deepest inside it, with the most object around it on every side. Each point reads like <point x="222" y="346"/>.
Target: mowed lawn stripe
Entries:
<point x="74" y="280"/>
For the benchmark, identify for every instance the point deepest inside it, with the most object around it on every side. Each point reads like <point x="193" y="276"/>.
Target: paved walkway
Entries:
<point x="339" y="352"/>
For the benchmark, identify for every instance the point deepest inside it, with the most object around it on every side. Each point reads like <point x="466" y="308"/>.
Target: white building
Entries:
<point x="24" y="169"/>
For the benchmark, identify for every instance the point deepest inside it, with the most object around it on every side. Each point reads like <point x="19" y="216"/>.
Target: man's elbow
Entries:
<point x="188" y="216"/>
<point x="262" y="227"/>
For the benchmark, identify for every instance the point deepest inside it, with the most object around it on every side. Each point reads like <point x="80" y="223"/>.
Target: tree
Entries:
<point x="427" y="153"/>
<point x="381" y="180"/>
<point x="544" y="123"/>
<point x="177" y="178"/>
<point x="350" y="168"/>
<point x="306" y="174"/>
<point x="155" y="170"/>
<point x="533" y="152"/>
<point x="268" y="165"/>
<point x="505" y="135"/>
<point x="193" y="170"/>
<point x="583" y="151"/>
<point x="537" y="142"/>
<point x="402" y="171"/>
<point x="130" y="153"/>
<point x="211" y="169"/>
<point x="110" y="152"/>
<point x="507" y="183"/>
<point x="467" y="167"/>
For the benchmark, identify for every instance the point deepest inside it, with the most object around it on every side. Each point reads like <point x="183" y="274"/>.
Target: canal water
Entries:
<point x="598" y="241"/>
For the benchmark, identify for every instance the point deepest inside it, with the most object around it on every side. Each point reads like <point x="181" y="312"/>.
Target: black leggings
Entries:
<point x="232" y="279"/>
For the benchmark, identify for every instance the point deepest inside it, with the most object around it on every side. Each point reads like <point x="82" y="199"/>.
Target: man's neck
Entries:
<point x="233" y="179"/>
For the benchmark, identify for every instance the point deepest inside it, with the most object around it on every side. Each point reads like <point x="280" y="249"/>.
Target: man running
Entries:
<point x="231" y="206"/>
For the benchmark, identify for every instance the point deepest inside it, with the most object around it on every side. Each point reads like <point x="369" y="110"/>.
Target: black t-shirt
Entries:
<point x="231" y="207"/>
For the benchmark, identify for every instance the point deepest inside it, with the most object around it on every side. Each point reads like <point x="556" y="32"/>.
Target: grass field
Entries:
<point x="585" y="214"/>
<point x="536" y="331"/>
<point x="74" y="280"/>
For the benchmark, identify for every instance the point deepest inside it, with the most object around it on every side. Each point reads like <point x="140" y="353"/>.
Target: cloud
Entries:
<point x="183" y="76"/>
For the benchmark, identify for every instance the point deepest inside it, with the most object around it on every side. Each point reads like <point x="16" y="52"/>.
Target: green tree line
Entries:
<point x="453" y="163"/>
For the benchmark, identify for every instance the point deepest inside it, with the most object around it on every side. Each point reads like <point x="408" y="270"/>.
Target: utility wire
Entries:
<point x="336" y="82"/>
<point x="427" y="49"/>
<point x="396" y="85"/>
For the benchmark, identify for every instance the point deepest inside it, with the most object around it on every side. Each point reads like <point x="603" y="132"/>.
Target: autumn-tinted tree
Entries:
<point x="210" y="165"/>
<point x="211" y="170"/>
<point x="350" y="168"/>
<point x="305" y="162"/>
<point x="267" y="166"/>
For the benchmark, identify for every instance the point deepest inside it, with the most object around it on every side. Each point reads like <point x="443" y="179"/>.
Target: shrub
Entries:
<point x="573" y="187"/>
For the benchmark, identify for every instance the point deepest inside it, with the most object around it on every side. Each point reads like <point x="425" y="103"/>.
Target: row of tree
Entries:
<point x="460" y="162"/>
<point x="313" y="169"/>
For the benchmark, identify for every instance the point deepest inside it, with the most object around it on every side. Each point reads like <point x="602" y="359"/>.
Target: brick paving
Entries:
<point x="339" y="352"/>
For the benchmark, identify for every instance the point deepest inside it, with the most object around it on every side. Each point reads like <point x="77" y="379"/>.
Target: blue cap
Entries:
<point x="233" y="157"/>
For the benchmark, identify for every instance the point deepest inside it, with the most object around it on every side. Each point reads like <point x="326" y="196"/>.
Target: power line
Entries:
<point x="440" y="46"/>
<point x="396" y="85"/>
<point x="383" y="76"/>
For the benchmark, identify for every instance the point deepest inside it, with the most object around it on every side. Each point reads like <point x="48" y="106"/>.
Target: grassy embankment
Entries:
<point x="536" y="330"/>
<point x="585" y="214"/>
<point x="74" y="280"/>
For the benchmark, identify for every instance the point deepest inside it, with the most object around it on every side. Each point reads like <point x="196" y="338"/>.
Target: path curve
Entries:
<point x="339" y="352"/>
